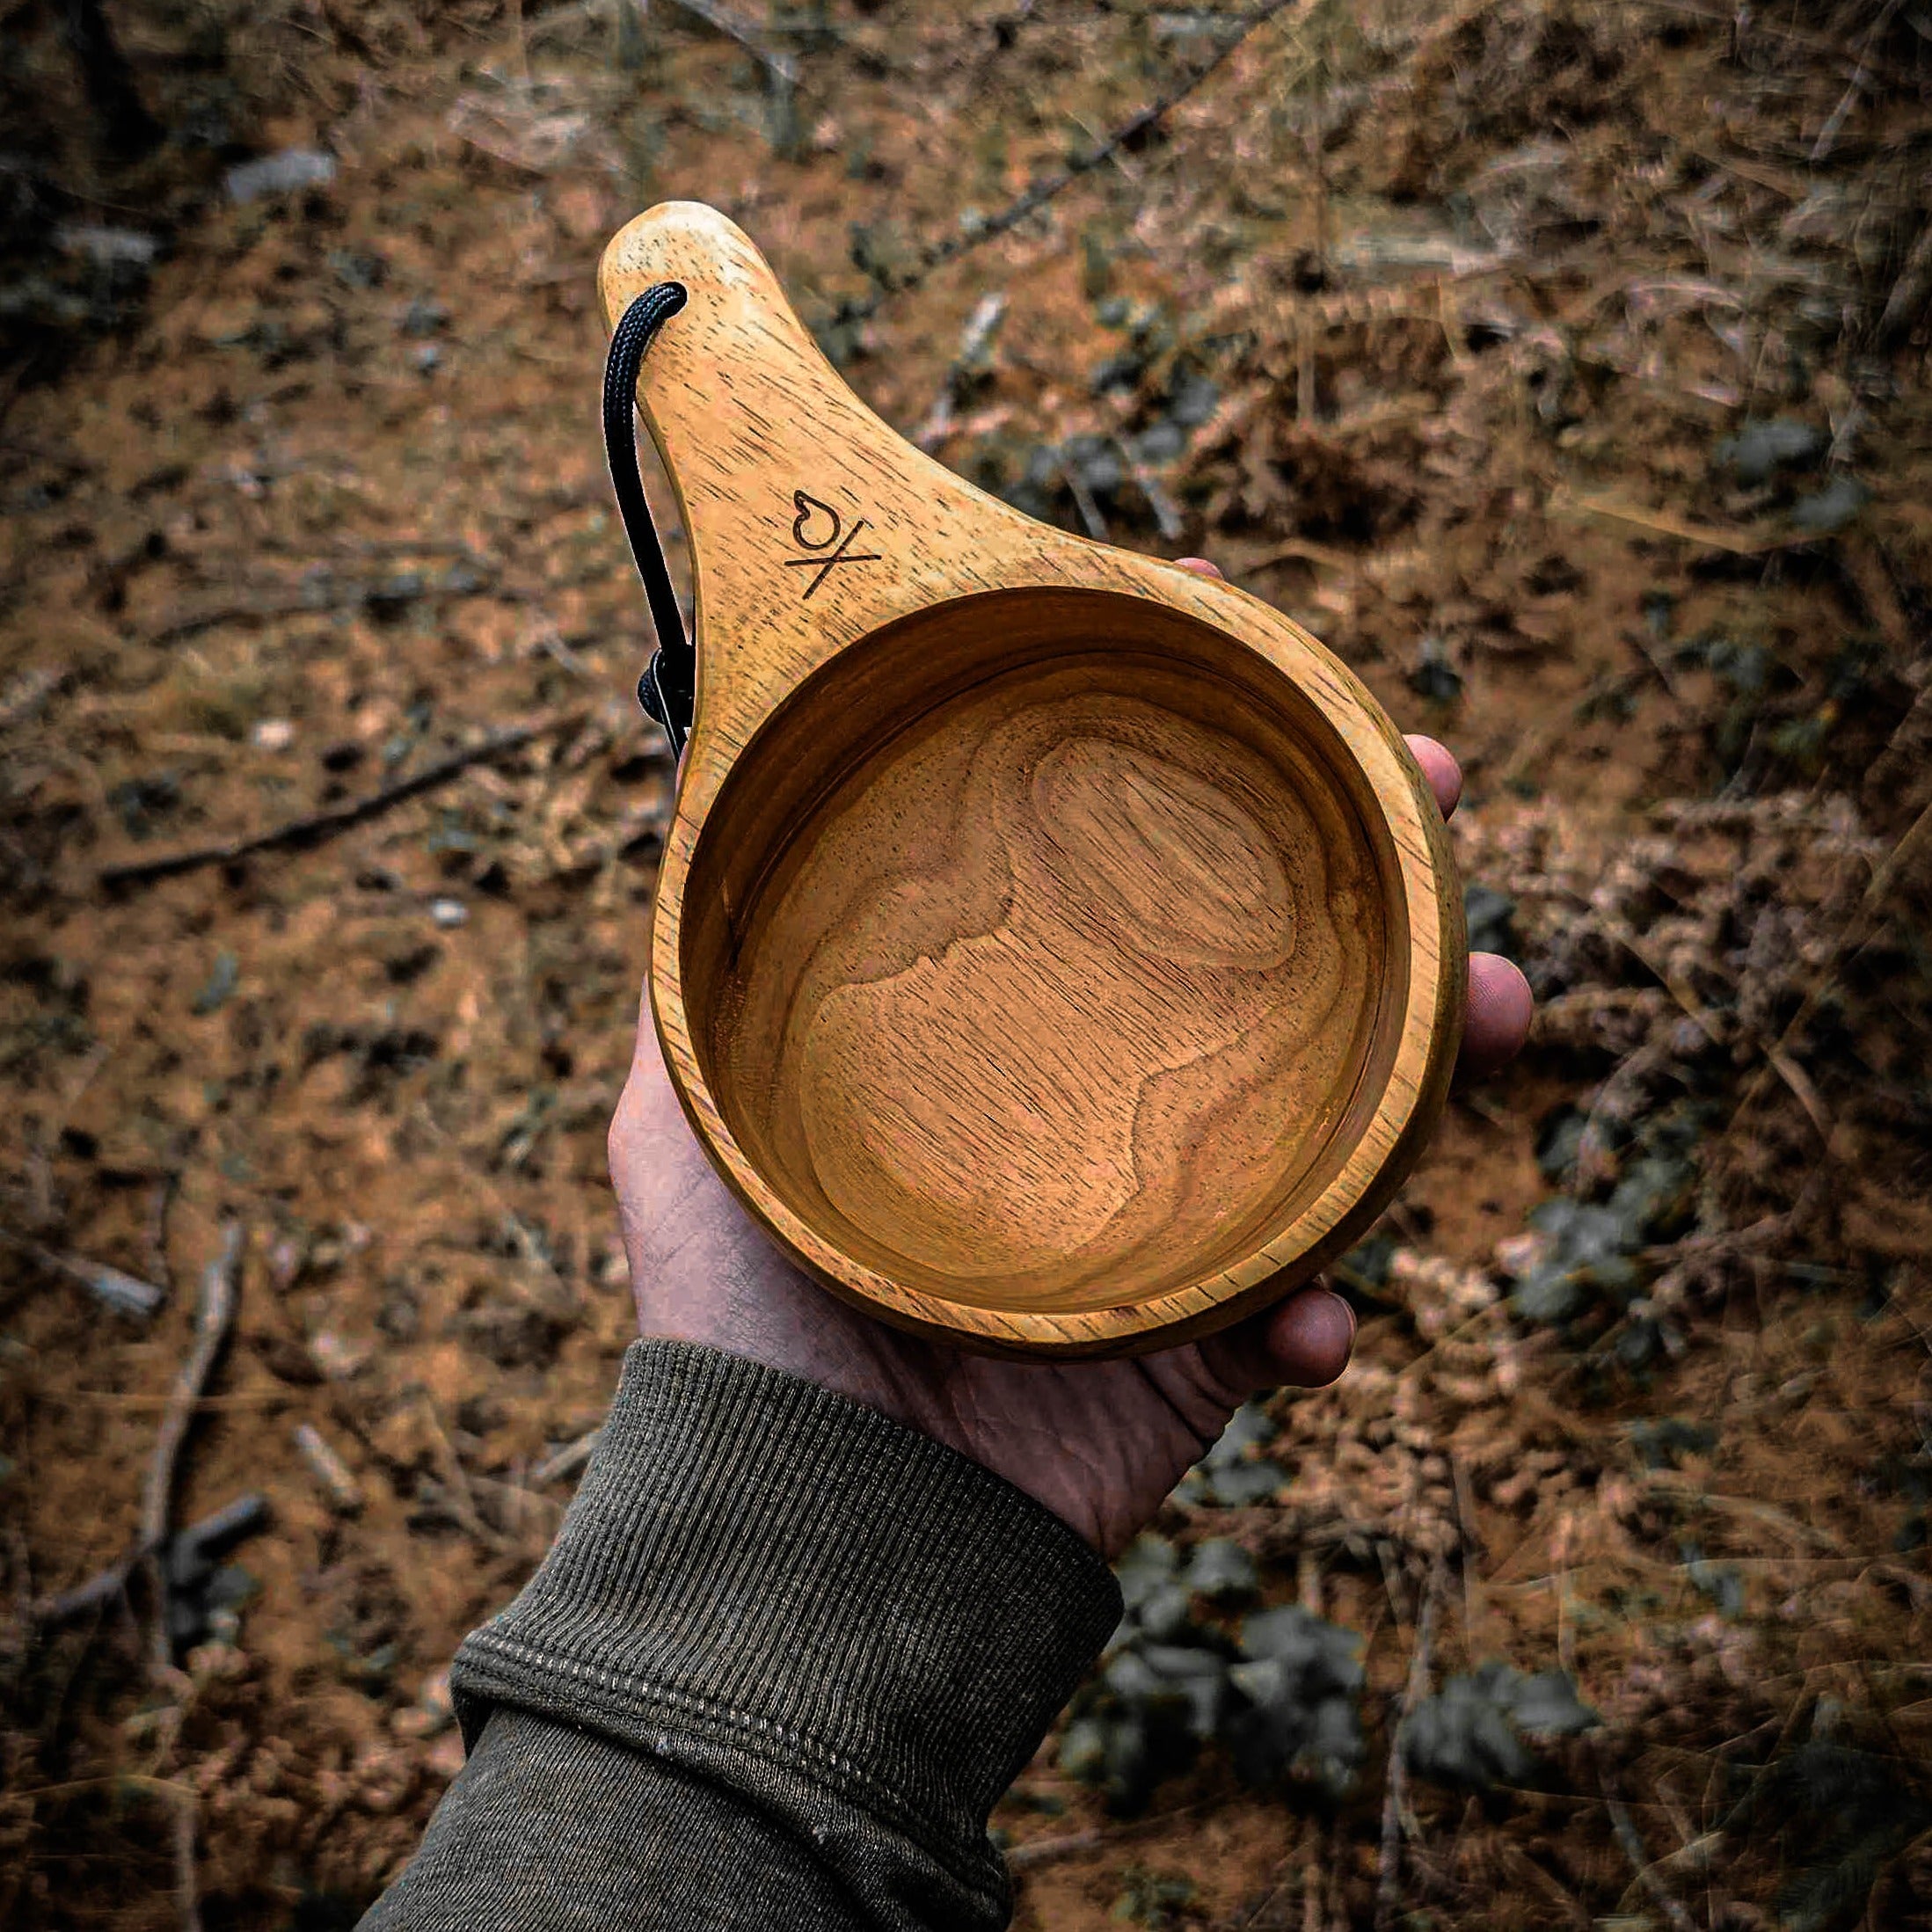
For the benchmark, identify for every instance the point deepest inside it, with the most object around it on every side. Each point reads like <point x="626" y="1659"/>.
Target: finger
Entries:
<point x="1439" y="767"/>
<point x="1200" y="565"/>
<point x="1500" y="1008"/>
<point x="1303" y="1343"/>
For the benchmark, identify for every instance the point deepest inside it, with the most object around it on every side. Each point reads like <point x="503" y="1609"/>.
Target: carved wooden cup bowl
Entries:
<point x="1057" y="951"/>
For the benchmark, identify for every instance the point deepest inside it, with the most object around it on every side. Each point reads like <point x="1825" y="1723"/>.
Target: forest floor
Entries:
<point x="1562" y="366"/>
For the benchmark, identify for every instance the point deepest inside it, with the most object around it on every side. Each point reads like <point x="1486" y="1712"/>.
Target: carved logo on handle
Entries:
<point x="815" y="517"/>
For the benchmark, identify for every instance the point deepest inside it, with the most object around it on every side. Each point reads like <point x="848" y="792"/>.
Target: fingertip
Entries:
<point x="1500" y="1009"/>
<point x="1311" y="1337"/>
<point x="1200" y="565"/>
<point x="1439" y="767"/>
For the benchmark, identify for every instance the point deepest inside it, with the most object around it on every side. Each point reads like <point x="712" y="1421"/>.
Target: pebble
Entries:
<point x="280" y="173"/>
<point x="338" y="1357"/>
<point x="334" y="1475"/>
<point x="448" y="913"/>
<point x="1764" y="447"/>
<point x="108" y="247"/>
<point x="272" y="734"/>
<point x="423" y="318"/>
<point x="1831" y="508"/>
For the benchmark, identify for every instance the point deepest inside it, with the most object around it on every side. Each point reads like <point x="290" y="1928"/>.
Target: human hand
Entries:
<point x="1099" y="1443"/>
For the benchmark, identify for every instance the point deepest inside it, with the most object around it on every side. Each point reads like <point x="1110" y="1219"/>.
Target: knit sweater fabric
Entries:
<point x="782" y="1658"/>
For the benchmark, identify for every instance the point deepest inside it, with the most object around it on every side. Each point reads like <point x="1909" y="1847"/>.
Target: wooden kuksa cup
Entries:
<point x="1059" y="953"/>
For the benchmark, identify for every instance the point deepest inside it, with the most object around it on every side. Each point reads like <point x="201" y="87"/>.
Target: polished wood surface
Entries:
<point x="1059" y="953"/>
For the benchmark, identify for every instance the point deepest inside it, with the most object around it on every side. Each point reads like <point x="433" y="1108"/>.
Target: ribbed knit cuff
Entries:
<point x="756" y="1568"/>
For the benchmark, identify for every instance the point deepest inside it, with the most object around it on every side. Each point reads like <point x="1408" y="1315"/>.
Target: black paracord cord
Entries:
<point x="669" y="690"/>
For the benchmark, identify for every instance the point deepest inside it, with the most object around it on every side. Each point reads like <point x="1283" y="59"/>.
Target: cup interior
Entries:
<point x="1045" y="951"/>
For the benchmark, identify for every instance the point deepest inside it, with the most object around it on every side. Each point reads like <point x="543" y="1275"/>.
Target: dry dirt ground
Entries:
<point x="1563" y="367"/>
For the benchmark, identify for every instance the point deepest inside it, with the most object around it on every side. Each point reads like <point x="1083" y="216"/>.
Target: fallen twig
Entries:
<point x="187" y="1890"/>
<point x="981" y="327"/>
<point x="305" y="600"/>
<point x="214" y="1317"/>
<point x="1395" y="1797"/>
<point x="1084" y="499"/>
<point x="1566" y="502"/>
<point x="568" y="1461"/>
<point x="1860" y="84"/>
<point x="1673" y="1483"/>
<point x="49" y="1613"/>
<point x="161" y="1561"/>
<point x="312" y="827"/>
<point x="1048" y="1851"/>
<point x="1631" y="1842"/>
<point x="1035" y="198"/>
<point x="1167" y="514"/>
<point x="124" y="1293"/>
<point x="458" y="1499"/>
<point x="159" y="1202"/>
<point x="1045" y="1851"/>
<point x="1315" y="1880"/>
<point x="227" y="1525"/>
<point x="1908" y="300"/>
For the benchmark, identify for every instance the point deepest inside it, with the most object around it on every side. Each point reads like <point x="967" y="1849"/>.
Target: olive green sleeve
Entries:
<point x="782" y="1658"/>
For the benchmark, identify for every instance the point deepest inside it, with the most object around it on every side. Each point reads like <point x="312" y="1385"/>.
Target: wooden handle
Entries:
<point x="811" y="522"/>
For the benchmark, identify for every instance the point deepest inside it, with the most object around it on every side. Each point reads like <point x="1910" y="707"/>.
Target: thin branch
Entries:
<point x="1631" y="1841"/>
<point x="1906" y="301"/>
<point x="333" y="1476"/>
<point x="1084" y="499"/>
<point x="1861" y="84"/>
<point x="312" y="827"/>
<point x="242" y="1517"/>
<point x="309" y="599"/>
<point x="187" y="1890"/>
<point x="572" y="1459"/>
<point x="1035" y="198"/>
<point x="458" y="1499"/>
<point x="1388" y="1863"/>
<point x="49" y="1613"/>
<point x="214" y="1317"/>
<point x="1754" y="543"/>
<point x="1048" y="1851"/>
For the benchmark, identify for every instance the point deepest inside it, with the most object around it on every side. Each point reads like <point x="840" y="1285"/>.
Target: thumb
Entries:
<point x="1303" y="1342"/>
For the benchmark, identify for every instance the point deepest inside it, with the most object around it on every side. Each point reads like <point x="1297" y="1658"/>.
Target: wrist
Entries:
<point x="756" y="1564"/>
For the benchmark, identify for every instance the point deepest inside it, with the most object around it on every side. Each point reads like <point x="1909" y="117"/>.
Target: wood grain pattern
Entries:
<point x="1058" y="952"/>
